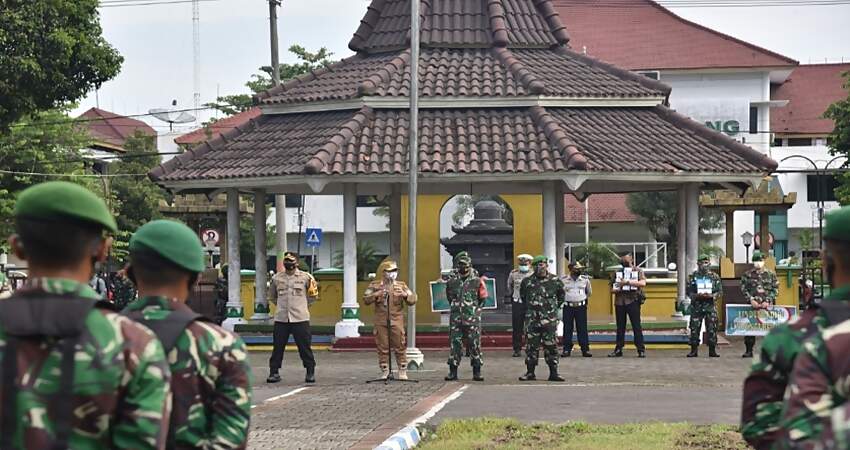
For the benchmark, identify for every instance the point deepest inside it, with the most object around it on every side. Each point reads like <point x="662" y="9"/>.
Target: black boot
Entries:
<point x="566" y="353"/>
<point x="748" y="353"/>
<point x="617" y="353"/>
<point x="529" y="374"/>
<point x="452" y="376"/>
<point x="553" y="373"/>
<point x="712" y="351"/>
<point x="310" y="377"/>
<point x="476" y="371"/>
<point x="517" y="354"/>
<point x="586" y="353"/>
<point x="274" y="377"/>
<point x="694" y="351"/>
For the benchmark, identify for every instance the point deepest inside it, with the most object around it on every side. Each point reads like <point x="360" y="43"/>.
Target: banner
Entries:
<point x="439" y="302"/>
<point x="743" y="320"/>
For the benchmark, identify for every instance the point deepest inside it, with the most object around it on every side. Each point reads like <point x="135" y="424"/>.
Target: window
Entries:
<point x="829" y="185"/>
<point x="293" y="201"/>
<point x="777" y="142"/>
<point x="799" y="142"/>
<point x="754" y="119"/>
<point x="654" y="74"/>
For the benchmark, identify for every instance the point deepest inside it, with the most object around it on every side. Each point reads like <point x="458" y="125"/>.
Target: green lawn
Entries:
<point x="491" y="433"/>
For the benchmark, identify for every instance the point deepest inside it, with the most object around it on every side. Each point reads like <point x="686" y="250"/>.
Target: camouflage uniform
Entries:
<point x="120" y="385"/>
<point x="760" y="285"/>
<point x="211" y="381"/>
<point x="703" y="308"/>
<point x="124" y="291"/>
<point x="543" y="297"/>
<point x="466" y="296"/>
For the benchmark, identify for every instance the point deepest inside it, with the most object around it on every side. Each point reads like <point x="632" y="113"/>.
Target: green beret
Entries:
<point x="838" y="225"/>
<point x="463" y="257"/>
<point x="704" y="257"/>
<point x="173" y="241"/>
<point x="63" y="200"/>
<point x="757" y="256"/>
<point x="539" y="259"/>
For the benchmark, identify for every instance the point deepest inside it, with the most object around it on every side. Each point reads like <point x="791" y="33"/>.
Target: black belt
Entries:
<point x="576" y="304"/>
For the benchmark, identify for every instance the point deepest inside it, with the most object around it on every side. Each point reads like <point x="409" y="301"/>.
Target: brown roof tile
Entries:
<point x="216" y="128"/>
<point x="809" y="90"/>
<point x="110" y="128"/>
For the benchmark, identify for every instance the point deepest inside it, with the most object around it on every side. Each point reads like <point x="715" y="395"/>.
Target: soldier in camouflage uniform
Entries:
<point x="703" y="289"/>
<point x="760" y="288"/>
<point x="123" y="290"/>
<point x="466" y="294"/>
<point x="211" y="378"/>
<point x="543" y="294"/>
<point x="817" y="413"/>
<point x="767" y="382"/>
<point x="74" y="374"/>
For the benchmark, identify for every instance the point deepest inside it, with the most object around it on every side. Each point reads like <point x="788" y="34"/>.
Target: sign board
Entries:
<point x="210" y="237"/>
<point x="440" y="303"/>
<point x="313" y="237"/>
<point x="727" y="115"/>
<point x="743" y="320"/>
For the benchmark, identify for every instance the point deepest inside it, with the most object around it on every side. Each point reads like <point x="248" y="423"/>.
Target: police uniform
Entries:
<point x="703" y="288"/>
<point x="118" y="398"/>
<point x="389" y="297"/>
<point x="293" y="292"/>
<point x="543" y="294"/>
<point x="577" y="290"/>
<point x="211" y="377"/>
<point x="761" y="286"/>
<point x="517" y="306"/>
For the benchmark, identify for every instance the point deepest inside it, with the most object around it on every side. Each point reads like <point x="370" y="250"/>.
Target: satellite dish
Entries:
<point x="171" y="116"/>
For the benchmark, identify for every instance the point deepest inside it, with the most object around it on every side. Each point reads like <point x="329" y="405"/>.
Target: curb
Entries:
<point x="404" y="439"/>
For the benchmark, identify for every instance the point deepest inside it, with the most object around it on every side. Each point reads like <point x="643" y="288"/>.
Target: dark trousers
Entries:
<point x="577" y="314"/>
<point x="517" y="324"/>
<point x="632" y="310"/>
<point x="749" y="342"/>
<point x="301" y="332"/>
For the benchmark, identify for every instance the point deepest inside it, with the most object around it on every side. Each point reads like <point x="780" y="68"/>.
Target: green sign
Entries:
<point x="439" y="302"/>
<point x="730" y="127"/>
<point x="743" y="320"/>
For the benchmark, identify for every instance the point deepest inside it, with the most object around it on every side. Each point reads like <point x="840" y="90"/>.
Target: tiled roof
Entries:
<point x="216" y="128"/>
<point x="809" y="91"/>
<point x="467" y="141"/>
<point x="641" y="34"/>
<point x="472" y="72"/>
<point x="112" y="129"/>
<point x="601" y="208"/>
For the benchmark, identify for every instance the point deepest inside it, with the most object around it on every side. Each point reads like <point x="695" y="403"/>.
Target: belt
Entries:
<point x="577" y="304"/>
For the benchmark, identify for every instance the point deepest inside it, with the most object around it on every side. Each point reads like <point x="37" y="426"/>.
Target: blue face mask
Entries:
<point x="523" y="269"/>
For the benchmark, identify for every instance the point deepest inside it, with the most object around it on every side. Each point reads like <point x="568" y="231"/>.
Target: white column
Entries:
<point x="549" y="231"/>
<point x="693" y="226"/>
<point x="348" y="326"/>
<point x="395" y="224"/>
<point x="234" y="282"/>
<point x="261" y="302"/>
<point x="559" y="229"/>
<point x="681" y="245"/>
<point x="280" y="229"/>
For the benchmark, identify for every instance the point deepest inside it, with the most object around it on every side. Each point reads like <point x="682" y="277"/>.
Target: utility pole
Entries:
<point x="413" y="353"/>
<point x="279" y="200"/>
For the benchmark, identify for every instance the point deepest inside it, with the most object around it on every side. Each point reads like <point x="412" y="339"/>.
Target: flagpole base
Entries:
<point x="415" y="358"/>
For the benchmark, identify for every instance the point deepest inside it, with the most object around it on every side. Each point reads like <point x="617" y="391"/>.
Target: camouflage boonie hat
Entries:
<point x="838" y="225"/>
<point x="60" y="199"/>
<point x="757" y="256"/>
<point x="173" y="241"/>
<point x="463" y="257"/>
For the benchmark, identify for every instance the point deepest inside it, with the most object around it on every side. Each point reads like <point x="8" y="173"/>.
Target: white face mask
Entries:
<point x="392" y="275"/>
<point x="758" y="264"/>
<point x="523" y="268"/>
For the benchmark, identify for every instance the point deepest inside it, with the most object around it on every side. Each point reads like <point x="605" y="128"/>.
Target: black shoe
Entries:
<point x="529" y="374"/>
<point x="641" y="353"/>
<point x="274" y="377"/>
<point x="617" y="353"/>
<point x="566" y="353"/>
<point x="712" y="352"/>
<point x="553" y="373"/>
<point x="310" y="377"/>
<point x="516" y="354"/>
<point x="476" y="372"/>
<point x="747" y="354"/>
<point x="694" y="351"/>
<point x="586" y="354"/>
<point x="452" y="376"/>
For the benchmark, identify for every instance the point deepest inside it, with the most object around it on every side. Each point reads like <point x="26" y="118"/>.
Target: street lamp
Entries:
<point x="747" y="237"/>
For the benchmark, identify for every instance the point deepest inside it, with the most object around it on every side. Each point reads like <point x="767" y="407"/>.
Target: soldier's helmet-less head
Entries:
<point x="463" y="262"/>
<point x="56" y="200"/>
<point x="703" y="263"/>
<point x="173" y="241"/>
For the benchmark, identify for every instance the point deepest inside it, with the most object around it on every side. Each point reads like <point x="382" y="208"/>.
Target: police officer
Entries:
<point x="543" y="294"/>
<point x="389" y="296"/>
<point x="515" y="278"/>
<point x="292" y="291"/>
<point x="74" y="374"/>
<point x="703" y="288"/>
<point x="466" y="294"/>
<point x="211" y="378"/>
<point x="578" y="289"/>
<point x="627" y="285"/>
<point x="760" y="287"/>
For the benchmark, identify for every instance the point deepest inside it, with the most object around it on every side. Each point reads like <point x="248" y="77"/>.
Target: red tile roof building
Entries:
<point x="809" y="90"/>
<point x="109" y="130"/>
<point x="216" y="128"/>
<point x="602" y="208"/>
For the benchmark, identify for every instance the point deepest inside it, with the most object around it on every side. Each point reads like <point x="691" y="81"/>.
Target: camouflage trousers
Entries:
<point x="537" y="335"/>
<point x="703" y="310"/>
<point x="460" y="333"/>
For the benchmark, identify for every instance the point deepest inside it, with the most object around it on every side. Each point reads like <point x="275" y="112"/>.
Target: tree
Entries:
<point x="51" y="53"/>
<point x="367" y="259"/>
<point x="839" y="139"/>
<point x="136" y="197"/>
<point x="596" y="257"/>
<point x="259" y="82"/>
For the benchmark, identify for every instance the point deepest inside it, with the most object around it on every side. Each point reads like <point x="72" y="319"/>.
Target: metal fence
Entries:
<point x="648" y="255"/>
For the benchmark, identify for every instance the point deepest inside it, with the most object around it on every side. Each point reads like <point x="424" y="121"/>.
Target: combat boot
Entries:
<point x="310" y="377"/>
<point x="529" y="374"/>
<point x="553" y="373"/>
<point x="476" y="371"/>
<point x="748" y="353"/>
<point x="694" y="351"/>
<point x="712" y="351"/>
<point x="385" y="372"/>
<point x="274" y="377"/>
<point x="402" y="372"/>
<point x="452" y="376"/>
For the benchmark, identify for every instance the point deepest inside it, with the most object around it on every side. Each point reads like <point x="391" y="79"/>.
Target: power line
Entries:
<point x="73" y="175"/>
<point x="127" y="3"/>
<point x="105" y="119"/>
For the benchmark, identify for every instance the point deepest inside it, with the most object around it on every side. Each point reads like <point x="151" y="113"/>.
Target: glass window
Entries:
<point x="829" y="184"/>
<point x="799" y="142"/>
<point x="754" y="119"/>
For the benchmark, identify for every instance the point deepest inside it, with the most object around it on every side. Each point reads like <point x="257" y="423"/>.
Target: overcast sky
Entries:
<point x="156" y="42"/>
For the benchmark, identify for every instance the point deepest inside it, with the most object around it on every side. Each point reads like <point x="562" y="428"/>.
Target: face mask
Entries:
<point x="758" y="264"/>
<point x="703" y="267"/>
<point x="542" y="270"/>
<point x="288" y="265"/>
<point x="392" y="275"/>
<point x="463" y="270"/>
<point x="523" y="268"/>
<point x="576" y="273"/>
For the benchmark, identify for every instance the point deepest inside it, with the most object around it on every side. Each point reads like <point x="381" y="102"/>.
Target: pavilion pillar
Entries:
<point x="693" y="226"/>
<point x="549" y="228"/>
<point x="730" y="235"/>
<point x="348" y="326"/>
<point x="764" y="234"/>
<point x="280" y="245"/>
<point x="234" y="282"/>
<point x="681" y="246"/>
<point x="559" y="230"/>
<point x="395" y="224"/>
<point x="261" y="302"/>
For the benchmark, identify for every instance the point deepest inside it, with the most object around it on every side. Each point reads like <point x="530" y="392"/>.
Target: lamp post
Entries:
<point x="747" y="237"/>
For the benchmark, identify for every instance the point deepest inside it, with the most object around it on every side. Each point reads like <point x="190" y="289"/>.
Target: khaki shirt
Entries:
<point x="400" y="295"/>
<point x="514" y="281"/>
<point x="293" y="293"/>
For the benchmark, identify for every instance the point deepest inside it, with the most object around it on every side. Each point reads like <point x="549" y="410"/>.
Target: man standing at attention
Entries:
<point x="760" y="287"/>
<point x="517" y="306"/>
<point x="389" y="296"/>
<point x="704" y="288"/>
<point x="543" y="294"/>
<point x="578" y="290"/>
<point x="466" y="294"/>
<point x="627" y="286"/>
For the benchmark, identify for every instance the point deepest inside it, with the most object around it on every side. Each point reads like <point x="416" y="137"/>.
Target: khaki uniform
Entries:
<point x="293" y="294"/>
<point x="399" y="295"/>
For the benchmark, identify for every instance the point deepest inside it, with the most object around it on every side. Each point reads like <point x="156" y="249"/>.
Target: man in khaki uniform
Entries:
<point x="389" y="297"/>
<point x="292" y="291"/>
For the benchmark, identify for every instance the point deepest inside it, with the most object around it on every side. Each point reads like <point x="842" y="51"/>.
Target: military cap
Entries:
<point x="757" y="256"/>
<point x="704" y="257"/>
<point x="463" y="257"/>
<point x="173" y="241"/>
<point x="838" y="225"/>
<point x="576" y="265"/>
<point x="524" y="257"/>
<point x="290" y="256"/>
<point x="539" y="259"/>
<point x="60" y="199"/>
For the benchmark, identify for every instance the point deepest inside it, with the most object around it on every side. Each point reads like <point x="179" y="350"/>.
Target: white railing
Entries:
<point x="655" y="253"/>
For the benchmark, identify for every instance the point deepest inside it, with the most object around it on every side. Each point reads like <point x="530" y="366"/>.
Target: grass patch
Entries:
<point x="508" y="434"/>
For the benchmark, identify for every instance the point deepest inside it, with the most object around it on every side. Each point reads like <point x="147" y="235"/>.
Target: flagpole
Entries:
<point x="414" y="356"/>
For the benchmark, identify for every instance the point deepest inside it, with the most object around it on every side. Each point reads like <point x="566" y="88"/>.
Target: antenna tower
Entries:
<point x="196" y="50"/>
